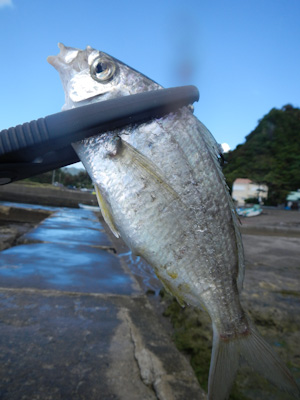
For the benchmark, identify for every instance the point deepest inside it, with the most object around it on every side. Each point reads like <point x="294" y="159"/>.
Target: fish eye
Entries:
<point x="102" y="70"/>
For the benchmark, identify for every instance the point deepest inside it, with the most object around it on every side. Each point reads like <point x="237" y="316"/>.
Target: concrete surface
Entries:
<point x="55" y="197"/>
<point x="16" y="221"/>
<point x="272" y="222"/>
<point x="271" y="296"/>
<point x="272" y="291"/>
<point x="75" y="324"/>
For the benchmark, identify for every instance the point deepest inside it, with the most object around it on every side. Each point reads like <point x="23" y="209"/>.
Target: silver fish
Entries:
<point x="160" y="187"/>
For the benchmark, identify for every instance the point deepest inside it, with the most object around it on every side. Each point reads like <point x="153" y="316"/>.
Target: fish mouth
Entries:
<point x="92" y="97"/>
<point x="52" y="60"/>
<point x="55" y="61"/>
<point x="65" y="56"/>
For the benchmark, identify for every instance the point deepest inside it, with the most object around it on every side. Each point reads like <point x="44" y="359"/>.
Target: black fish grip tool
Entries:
<point x="45" y="144"/>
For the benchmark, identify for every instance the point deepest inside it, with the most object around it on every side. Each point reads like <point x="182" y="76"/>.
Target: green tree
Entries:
<point x="81" y="180"/>
<point x="270" y="155"/>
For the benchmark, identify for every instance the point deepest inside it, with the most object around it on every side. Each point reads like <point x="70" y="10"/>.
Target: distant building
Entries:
<point x="244" y="189"/>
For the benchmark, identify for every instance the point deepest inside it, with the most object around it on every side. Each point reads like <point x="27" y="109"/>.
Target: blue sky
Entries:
<point x="244" y="56"/>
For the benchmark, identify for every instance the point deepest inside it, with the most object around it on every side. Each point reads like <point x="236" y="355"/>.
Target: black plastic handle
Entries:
<point x="45" y="144"/>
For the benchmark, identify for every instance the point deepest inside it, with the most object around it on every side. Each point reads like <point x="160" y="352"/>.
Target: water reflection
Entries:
<point x="142" y="272"/>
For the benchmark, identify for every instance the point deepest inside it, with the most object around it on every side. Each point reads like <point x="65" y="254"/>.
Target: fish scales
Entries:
<point x="202" y="246"/>
<point x="160" y="187"/>
<point x="204" y="209"/>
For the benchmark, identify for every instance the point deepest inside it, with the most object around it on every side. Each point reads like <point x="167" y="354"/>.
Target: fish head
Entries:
<point x="90" y="75"/>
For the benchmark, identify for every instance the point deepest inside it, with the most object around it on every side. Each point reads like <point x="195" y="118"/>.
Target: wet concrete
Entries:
<point x="67" y="267"/>
<point x="75" y="323"/>
<point x="71" y="227"/>
<point x="68" y="251"/>
<point x="16" y="221"/>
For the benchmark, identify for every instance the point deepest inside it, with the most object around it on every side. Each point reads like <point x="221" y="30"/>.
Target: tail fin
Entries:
<point x="223" y="367"/>
<point x="258" y="354"/>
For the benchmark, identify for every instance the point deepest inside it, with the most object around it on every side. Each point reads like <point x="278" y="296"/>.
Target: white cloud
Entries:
<point x="225" y="147"/>
<point x="4" y="3"/>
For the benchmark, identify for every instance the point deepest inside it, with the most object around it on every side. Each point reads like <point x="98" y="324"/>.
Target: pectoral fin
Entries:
<point x="148" y="168"/>
<point x="106" y="212"/>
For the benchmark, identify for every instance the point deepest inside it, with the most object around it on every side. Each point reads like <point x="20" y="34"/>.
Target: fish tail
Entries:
<point x="258" y="354"/>
<point x="261" y="357"/>
<point x="223" y="367"/>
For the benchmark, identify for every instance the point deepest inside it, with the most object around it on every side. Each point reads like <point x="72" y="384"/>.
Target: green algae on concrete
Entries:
<point x="192" y="335"/>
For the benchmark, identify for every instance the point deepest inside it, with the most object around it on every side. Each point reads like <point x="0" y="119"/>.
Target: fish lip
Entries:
<point x="64" y="56"/>
<point x="52" y="60"/>
<point x="89" y="98"/>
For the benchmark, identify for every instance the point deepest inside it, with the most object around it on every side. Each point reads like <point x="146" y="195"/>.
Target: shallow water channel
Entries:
<point x="70" y="250"/>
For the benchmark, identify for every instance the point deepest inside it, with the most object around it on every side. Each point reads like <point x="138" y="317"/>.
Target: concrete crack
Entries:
<point x="151" y="369"/>
<point x="124" y="374"/>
